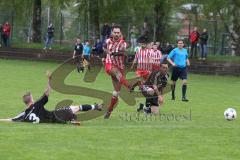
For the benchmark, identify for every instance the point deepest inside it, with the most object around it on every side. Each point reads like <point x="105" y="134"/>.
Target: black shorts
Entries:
<point x="64" y="114"/>
<point x="78" y="59"/>
<point x="178" y="72"/>
<point x="152" y="101"/>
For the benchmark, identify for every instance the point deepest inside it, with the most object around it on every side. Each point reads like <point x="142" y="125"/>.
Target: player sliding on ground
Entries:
<point x="114" y="65"/>
<point x="36" y="113"/>
<point x="153" y="88"/>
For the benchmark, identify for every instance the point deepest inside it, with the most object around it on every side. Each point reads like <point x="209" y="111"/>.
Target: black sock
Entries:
<point x="147" y="109"/>
<point x="141" y="106"/>
<point x="173" y="90"/>
<point x="184" y="89"/>
<point x="86" y="107"/>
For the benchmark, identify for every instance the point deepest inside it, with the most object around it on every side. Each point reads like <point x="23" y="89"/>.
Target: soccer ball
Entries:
<point x="230" y="114"/>
<point x="150" y="90"/>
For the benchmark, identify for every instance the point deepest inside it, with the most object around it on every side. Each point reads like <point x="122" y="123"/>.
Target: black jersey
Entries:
<point x="50" y="31"/>
<point x="79" y="49"/>
<point x="36" y="113"/>
<point x="157" y="79"/>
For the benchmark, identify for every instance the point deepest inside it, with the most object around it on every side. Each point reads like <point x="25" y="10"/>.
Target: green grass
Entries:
<point x="206" y="136"/>
<point x="55" y="46"/>
<point x="227" y="58"/>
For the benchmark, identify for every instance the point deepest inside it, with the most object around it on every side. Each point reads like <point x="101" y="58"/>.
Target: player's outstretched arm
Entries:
<point x="18" y="118"/>
<point x="48" y="89"/>
<point x="134" y="62"/>
<point x="78" y="123"/>
<point x="6" y="120"/>
<point x="159" y="93"/>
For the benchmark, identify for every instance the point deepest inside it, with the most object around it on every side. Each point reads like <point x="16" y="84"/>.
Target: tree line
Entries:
<point x="96" y="12"/>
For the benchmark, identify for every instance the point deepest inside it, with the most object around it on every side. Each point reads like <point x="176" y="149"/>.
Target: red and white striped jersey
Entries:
<point x="156" y="56"/>
<point x="114" y="47"/>
<point x="143" y="59"/>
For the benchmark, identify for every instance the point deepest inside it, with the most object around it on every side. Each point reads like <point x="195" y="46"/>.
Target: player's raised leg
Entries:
<point x="119" y="76"/>
<point x="69" y="113"/>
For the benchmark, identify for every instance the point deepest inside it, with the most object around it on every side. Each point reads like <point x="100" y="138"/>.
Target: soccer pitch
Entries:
<point x="207" y="135"/>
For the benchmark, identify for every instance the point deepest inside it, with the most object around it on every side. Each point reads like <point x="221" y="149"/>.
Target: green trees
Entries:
<point x="234" y="27"/>
<point x="228" y="12"/>
<point x="93" y="13"/>
<point x="36" y="21"/>
<point x="162" y="14"/>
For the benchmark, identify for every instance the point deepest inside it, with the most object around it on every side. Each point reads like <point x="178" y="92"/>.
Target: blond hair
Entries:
<point x="27" y="97"/>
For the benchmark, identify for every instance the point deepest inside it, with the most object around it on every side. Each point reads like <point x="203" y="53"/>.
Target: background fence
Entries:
<point x="69" y="26"/>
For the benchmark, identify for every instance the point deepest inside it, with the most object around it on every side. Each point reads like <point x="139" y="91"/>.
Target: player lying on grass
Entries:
<point x="153" y="88"/>
<point x="36" y="113"/>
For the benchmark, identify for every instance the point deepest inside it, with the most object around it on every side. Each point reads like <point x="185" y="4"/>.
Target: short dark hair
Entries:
<point x="142" y="39"/>
<point x="164" y="62"/>
<point x="180" y="40"/>
<point x="116" y="26"/>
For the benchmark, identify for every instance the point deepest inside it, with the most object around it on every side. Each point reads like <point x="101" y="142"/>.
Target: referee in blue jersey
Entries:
<point x="178" y="58"/>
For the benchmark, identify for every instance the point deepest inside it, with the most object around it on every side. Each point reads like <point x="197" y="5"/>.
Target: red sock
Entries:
<point x="114" y="101"/>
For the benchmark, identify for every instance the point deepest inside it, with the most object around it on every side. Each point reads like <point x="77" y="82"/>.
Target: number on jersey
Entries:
<point x="34" y="118"/>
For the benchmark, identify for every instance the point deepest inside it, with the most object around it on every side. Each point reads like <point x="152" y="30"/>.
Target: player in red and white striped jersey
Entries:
<point x="115" y="47"/>
<point x="143" y="59"/>
<point x="114" y="65"/>
<point x="156" y="56"/>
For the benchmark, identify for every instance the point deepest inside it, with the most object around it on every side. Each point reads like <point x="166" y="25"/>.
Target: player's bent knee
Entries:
<point x="161" y="101"/>
<point x="154" y="110"/>
<point x="115" y="93"/>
